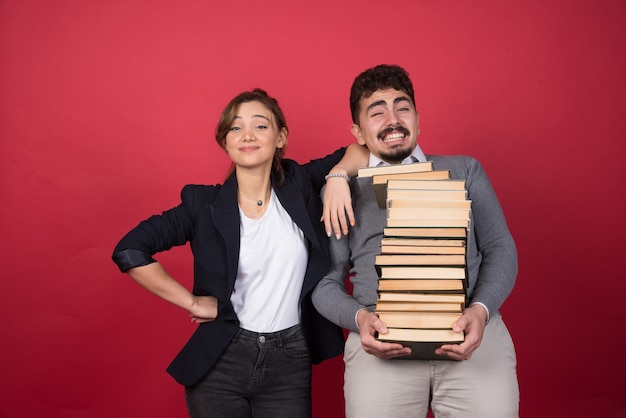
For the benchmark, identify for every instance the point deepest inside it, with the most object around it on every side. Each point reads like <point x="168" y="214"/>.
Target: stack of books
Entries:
<point x="422" y="262"/>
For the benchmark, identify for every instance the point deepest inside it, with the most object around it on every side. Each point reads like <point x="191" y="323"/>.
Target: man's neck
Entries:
<point x="416" y="156"/>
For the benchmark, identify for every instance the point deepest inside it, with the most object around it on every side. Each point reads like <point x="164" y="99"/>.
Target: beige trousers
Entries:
<point x="483" y="386"/>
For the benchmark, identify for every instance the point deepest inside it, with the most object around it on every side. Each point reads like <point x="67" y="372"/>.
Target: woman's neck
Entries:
<point x="253" y="185"/>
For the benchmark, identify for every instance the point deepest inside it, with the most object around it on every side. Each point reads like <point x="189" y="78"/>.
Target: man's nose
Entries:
<point x="392" y="119"/>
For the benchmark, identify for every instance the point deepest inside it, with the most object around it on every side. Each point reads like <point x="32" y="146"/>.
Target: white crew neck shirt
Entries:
<point x="272" y="263"/>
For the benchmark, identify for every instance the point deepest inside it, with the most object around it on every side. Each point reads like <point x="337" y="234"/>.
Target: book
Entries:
<point x="421" y="306"/>
<point x="428" y="203"/>
<point x="420" y="297"/>
<point x="395" y="168"/>
<point x="427" y="223"/>
<point x="420" y="260"/>
<point x="421" y="272"/>
<point x="407" y="184"/>
<point x="425" y="335"/>
<point x="423" y="342"/>
<point x="381" y="179"/>
<point x="422" y="285"/>
<point x="426" y="232"/>
<point x="428" y="213"/>
<point x="425" y="194"/>
<point x="420" y="249"/>
<point x="440" y="320"/>
<point x="426" y="242"/>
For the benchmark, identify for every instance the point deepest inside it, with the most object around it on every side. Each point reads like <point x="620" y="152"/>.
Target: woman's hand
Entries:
<point x="337" y="214"/>
<point x="337" y="201"/>
<point x="203" y="309"/>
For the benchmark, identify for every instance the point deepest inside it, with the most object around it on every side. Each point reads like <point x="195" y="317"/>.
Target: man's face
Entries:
<point x="388" y="125"/>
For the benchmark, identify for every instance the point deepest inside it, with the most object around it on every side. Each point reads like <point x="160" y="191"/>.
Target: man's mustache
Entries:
<point x="390" y="129"/>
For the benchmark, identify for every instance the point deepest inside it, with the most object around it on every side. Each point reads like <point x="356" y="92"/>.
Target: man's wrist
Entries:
<point x="484" y="307"/>
<point x="356" y="317"/>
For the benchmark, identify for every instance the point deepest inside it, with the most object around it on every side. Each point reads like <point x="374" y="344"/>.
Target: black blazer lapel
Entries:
<point x="290" y="197"/>
<point x="226" y="216"/>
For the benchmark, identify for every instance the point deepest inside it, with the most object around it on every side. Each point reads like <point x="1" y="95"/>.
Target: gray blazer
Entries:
<point x="491" y="259"/>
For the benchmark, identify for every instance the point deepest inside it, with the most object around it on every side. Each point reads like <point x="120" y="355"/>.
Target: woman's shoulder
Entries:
<point x="200" y="193"/>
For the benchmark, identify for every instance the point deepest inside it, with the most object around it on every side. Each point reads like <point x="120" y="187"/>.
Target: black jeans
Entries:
<point x="259" y="375"/>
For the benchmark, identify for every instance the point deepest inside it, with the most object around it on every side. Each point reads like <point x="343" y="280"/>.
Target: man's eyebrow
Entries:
<point x="382" y="102"/>
<point x="376" y="103"/>
<point x="401" y="99"/>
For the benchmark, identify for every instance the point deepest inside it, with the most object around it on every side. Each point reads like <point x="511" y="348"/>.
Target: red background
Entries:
<point x="108" y="107"/>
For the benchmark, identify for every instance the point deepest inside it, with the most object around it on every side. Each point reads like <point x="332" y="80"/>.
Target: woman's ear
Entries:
<point x="282" y="138"/>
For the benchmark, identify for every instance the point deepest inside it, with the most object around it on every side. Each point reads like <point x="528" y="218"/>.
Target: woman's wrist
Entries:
<point x="337" y="176"/>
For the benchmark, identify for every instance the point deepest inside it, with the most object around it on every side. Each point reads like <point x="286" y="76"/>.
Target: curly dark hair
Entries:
<point x="230" y="112"/>
<point x="380" y="77"/>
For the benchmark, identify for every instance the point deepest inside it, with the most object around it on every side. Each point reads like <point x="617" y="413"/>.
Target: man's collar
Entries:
<point x="416" y="156"/>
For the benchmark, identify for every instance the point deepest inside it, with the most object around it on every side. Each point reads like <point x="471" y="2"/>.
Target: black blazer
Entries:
<point x="208" y="218"/>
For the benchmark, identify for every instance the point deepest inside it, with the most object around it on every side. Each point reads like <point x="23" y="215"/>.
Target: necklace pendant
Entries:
<point x="259" y="203"/>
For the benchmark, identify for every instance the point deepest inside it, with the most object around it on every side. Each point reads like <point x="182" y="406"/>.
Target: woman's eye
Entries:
<point x="261" y="126"/>
<point x="234" y="128"/>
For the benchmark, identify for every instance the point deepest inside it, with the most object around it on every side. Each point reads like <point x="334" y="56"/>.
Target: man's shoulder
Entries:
<point x="451" y="160"/>
<point x="454" y="163"/>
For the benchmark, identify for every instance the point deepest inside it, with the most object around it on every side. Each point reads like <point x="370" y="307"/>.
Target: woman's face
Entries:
<point x="253" y="136"/>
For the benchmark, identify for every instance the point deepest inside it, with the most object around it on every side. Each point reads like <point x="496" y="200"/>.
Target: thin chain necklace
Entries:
<point x="260" y="201"/>
<point x="253" y="213"/>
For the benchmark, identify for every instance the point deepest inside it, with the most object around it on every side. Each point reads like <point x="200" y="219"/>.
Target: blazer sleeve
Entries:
<point x="318" y="168"/>
<point x="493" y="240"/>
<point x="158" y="233"/>
<point x="330" y="296"/>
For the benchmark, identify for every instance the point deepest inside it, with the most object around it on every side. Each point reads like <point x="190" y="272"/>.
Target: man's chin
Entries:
<point x="395" y="157"/>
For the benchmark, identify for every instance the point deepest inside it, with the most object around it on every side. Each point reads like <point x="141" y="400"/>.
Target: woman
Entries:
<point x="259" y="249"/>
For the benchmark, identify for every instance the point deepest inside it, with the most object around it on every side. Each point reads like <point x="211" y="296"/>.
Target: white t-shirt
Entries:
<point x="272" y="262"/>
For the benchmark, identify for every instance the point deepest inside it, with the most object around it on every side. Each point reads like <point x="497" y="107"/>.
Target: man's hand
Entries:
<point x="203" y="309"/>
<point x="472" y="322"/>
<point x="337" y="204"/>
<point x="369" y="324"/>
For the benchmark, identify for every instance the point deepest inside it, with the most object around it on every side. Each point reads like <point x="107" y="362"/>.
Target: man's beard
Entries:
<point x="395" y="156"/>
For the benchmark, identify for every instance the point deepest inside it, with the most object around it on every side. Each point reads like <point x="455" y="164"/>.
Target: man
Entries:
<point x="482" y="382"/>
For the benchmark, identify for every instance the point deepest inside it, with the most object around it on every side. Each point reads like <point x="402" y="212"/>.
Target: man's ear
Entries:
<point x="418" y="124"/>
<point x="356" y="131"/>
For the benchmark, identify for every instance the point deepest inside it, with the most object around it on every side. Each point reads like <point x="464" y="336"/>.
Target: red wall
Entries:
<point x="107" y="108"/>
